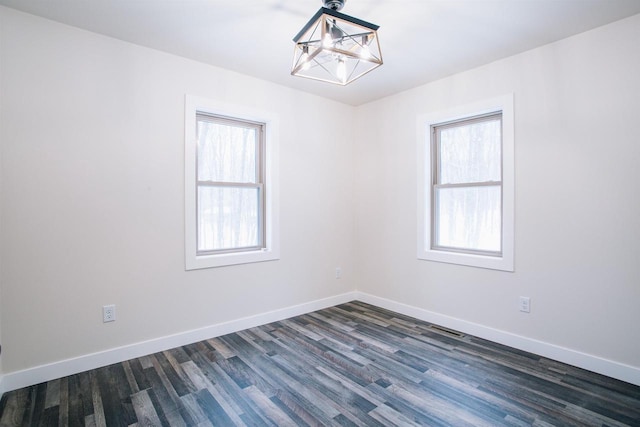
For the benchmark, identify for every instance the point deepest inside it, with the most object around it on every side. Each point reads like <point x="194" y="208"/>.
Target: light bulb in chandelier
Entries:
<point x="304" y="59"/>
<point x="365" y="53"/>
<point x="332" y="35"/>
<point x="341" y="70"/>
<point x="327" y="41"/>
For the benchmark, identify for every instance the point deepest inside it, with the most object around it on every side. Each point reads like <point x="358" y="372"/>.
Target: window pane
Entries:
<point x="228" y="218"/>
<point x="470" y="152"/>
<point x="468" y="218"/>
<point x="226" y="153"/>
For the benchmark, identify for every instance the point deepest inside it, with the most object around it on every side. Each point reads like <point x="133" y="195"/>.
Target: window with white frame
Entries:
<point x="466" y="186"/>
<point x="466" y="193"/>
<point x="231" y="215"/>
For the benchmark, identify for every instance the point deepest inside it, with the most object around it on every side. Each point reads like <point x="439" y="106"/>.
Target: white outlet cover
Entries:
<point x="108" y="313"/>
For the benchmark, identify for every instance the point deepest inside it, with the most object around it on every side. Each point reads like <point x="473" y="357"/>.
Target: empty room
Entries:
<point x="320" y="212"/>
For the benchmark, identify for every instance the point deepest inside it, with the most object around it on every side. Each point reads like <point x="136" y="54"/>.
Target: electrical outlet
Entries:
<point x="108" y="313"/>
<point x="338" y="272"/>
<point x="525" y="304"/>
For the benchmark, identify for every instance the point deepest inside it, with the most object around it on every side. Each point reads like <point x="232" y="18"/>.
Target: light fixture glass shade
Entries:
<point x="336" y="48"/>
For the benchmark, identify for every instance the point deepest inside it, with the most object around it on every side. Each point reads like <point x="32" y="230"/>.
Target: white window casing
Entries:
<point x="265" y="247"/>
<point x="427" y="249"/>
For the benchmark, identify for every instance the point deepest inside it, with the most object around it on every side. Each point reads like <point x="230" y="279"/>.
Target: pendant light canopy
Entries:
<point x="334" y="47"/>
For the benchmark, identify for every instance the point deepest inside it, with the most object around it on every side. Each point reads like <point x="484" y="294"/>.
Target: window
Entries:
<point x="467" y="185"/>
<point x="230" y="186"/>
<point x="465" y="213"/>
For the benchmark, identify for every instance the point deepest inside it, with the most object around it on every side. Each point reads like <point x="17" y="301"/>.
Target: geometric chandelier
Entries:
<point x="334" y="47"/>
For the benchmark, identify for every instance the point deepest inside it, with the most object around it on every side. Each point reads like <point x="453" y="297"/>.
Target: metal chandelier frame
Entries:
<point x="336" y="48"/>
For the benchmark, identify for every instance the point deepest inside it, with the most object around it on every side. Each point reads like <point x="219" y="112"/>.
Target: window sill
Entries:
<point x="470" y="260"/>
<point x="195" y="262"/>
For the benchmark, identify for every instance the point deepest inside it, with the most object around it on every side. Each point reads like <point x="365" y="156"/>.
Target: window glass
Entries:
<point x="470" y="153"/>
<point x="226" y="153"/>
<point x="228" y="218"/>
<point x="468" y="218"/>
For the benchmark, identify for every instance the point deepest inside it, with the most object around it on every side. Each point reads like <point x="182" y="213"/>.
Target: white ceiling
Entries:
<point x="421" y="40"/>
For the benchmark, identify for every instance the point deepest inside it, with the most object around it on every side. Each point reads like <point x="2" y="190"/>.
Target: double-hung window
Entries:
<point x="229" y="172"/>
<point x="230" y="184"/>
<point x="466" y="186"/>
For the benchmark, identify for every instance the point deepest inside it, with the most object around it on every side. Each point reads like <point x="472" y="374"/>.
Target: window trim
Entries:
<point x="425" y="122"/>
<point x="271" y="249"/>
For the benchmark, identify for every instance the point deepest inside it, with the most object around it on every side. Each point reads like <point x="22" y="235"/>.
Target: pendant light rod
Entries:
<point x="334" y="4"/>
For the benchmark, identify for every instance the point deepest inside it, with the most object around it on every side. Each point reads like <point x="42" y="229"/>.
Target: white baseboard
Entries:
<point x="589" y="362"/>
<point x="63" y="368"/>
<point x="38" y="374"/>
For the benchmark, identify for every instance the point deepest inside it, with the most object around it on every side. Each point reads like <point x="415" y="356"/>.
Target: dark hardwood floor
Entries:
<point x="353" y="364"/>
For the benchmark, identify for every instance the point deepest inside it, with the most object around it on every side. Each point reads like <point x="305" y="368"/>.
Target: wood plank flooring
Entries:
<point x="349" y="365"/>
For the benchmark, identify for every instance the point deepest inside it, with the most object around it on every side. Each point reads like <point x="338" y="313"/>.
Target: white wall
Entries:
<point x="92" y="143"/>
<point x="577" y="107"/>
